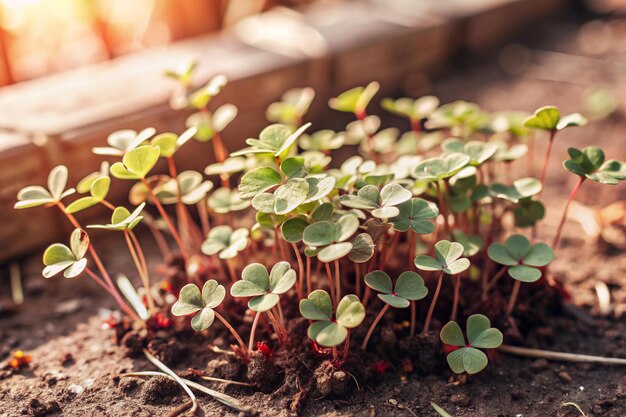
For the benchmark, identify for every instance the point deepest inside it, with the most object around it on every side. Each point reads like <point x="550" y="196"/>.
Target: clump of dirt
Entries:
<point x="161" y="391"/>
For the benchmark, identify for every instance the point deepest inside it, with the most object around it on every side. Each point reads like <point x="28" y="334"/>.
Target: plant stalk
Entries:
<point x="455" y="302"/>
<point x="513" y="299"/>
<point x="142" y="273"/>
<point x="300" y="270"/>
<point x="255" y="323"/>
<point x="557" y="237"/>
<point x="431" y="309"/>
<point x="232" y="330"/>
<point x="546" y="158"/>
<point x="374" y="323"/>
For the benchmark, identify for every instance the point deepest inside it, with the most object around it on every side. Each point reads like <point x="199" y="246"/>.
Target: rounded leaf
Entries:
<point x="293" y="229"/>
<point x="56" y="253"/>
<point x="410" y="285"/>
<point x="141" y="160"/>
<point x="319" y="234"/>
<point x="498" y="253"/>
<point x="263" y="303"/>
<point x="379" y="281"/>
<point x="257" y="181"/>
<point x="448" y="252"/>
<point x="474" y="360"/>
<point x="451" y="334"/>
<point x="426" y="263"/>
<point x="350" y="311"/>
<point x="282" y="278"/>
<point x="213" y="293"/>
<point x="317" y="306"/>
<point x="525" y="273"/>
<point x="327" y="334"/>
<point x="203" y="320"/>
<point x="362" y="248"/>
<point x="540" y="254"/>
<point x="189" y="301"/>
<point x="394" y="300"/>
<point x="334" y="251"/>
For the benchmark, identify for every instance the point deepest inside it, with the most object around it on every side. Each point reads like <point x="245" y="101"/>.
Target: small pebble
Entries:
<point x="539" y="365"/>
<point x="393" y="402"/>
<point x="565" y="377"/>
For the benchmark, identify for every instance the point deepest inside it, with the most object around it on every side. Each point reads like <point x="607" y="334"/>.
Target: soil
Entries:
<point x="77" y="362"/>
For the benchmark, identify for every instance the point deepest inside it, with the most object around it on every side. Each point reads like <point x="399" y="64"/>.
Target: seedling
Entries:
<point x="226" y="243"/>
<point x="292" y="107"/>
<point x="522" y="261"/>
<point x="548" y="118"/>
<point x="480" y="335"/>
<point x="265" y="289"/>
<point x="589" y="164"/>
<point x="202" y="305"/>
<point x="124" y="141"/>
<point x="382" y="203"/>
<point x="71" y="261"/>
<point x="325" y="330"/>
<point x="36" y="195"/>
<point x="449" y="261"/>
<point x="415" y="110"/>
<point x="408" y="289"/>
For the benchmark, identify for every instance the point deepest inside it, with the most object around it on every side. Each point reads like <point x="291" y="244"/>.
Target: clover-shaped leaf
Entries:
<point x="354" y="100"/>
<point x="479" y="152"/>
<point x="168" y="143"/>
<point x="123" y="141"/>
<point x="324" y="330"/>
<point x="382" y="203"/>
<point x="522" y="258"/>
<point x="522" y="188"/>
<point x="136" y="164"/>
<point x="229" y="166"/>
<point x="589" y="163"/>
<point x="225" y="241"/>
<point x="98" y="190"/>
<point x="413" y="109"/>
<point x="224" y="200"/>
<point x="293" y="229"/>
<point x="461" y="117"/>
<point x="36" y="195"/>
<point x="58" y="257"/>
<point x="190" y="186"/>
<point x="415" y="214"/>
<point x="409" y="287"/>
<point x="330" y="238"/>
<point x="191" y="301"/>
<point x="201" y="97"/>
<point x="322" y="140"/>
<point x="528" y="212"/>
<point x="549" y="118"/>
<point x="257" y="181"/>
<point x="468" y="358"/>
<point x="275" y="140"/>
<point x="448" y="259"/>
<point x="292" y="107"/>
<point x="264" y="287"/>
<point x="122" y="219"/>
<point x="362" y="248"/>
<point x="441" y="167"/>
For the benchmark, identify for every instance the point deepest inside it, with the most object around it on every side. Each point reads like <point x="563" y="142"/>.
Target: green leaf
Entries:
<point x="293" y="229"/>
<point x="498" y="253"/>
<point x="290" y="195"/>
<point x="574" y="119"/>
<point x="263" y="303"/>
<point x="203" y="320"/>
<point x="293" y="167"/>
<point x="255" y="281"/>
<point x="335" y="251"/>
<point x="81" y="204"/>
<point x="327" y="333"/>
<point x="416" y="215"/>
<point x="223" y="115"/>
<point x="474" y="360"/>
<point x="475" y="326"/>
<point x="545" y="118"/>
<point x="394" y="300"/>
<point x="441" y="168"/>
<point x="319" y="234"/>
<point x="166" y="142"/>
<point x="319" y="188"/>
<point x="440" y="410"/>
<point x="528" y="213"/>
<point x="426" y="263"/>
<point x="79" y="243"/>
<point x="472" y="244"/>
<point x="282" y="278"/>
<point x="410" y="285"/>
<point x="100" y="188"/>
<point x="362" y="248"/>
<point x="212" y="293"/>
<point x="451" y="334"/>
<point x="257" y="181"/>
<point x="455" y="360"/>
<point x="345" y="227"/>
<point x="393" y="194"/>
<point x="525" y="273"/>
<point x="141" y="160"/>
<point x="350" y="311"/>
<point x="75" y="268"/>
<point x="57" y="253"/>
<point x="448" y="252"/>
<point x="354" y="100"/>
<point x="323" y="212"/>
<point x="291" y="139"/>
<point x="189" y="301"/>
<point x="379" y="281"/>
<point x="317" y="306"/>
<point x="540" y="254"/>
<point x="518" y="246"/>
<point x="457" y="266"/>
<point x="57" y="180"/>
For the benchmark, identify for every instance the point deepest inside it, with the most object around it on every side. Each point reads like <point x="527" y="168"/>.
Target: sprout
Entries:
<point x="382" y="203"/>
<point x="479" y="152"/>
<point x="169" y="143"/>
<point x="191" y="301"/>
<point x="413" y="109"/>
<point x="136" y="164"/>
<point x="98" y="191"/>
<point x="480" y="335"/>
<point x="224" y="200"/>
<point x="409" y="287"/>
<point x="448" y="260"/>
<point x="440" y="168"/>
<point x="36" y="195"/>
<point x="122" y="219"/>
<point x="329" y="240"/>
<point x="354" y="100"/>
<point x="522" y="261"/>
<point x="325" y="330"/>
<point x="225" y="242"/>
<point x="123" y="141"/>
<point x="201" y="97"/>
<point x="590" y="163"/>
<point x="322" y="140"/>
<point x="415" y="214"/>
<point x="275" y="140"/>
<point x="71" y="261"/>
<point x="189" y="185"/>
<point x="292" y="106"/>
<point x="208" y="125"/>
<point x="264" y="287"/>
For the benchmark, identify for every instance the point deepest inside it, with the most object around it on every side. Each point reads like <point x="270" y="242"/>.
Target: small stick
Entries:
<point x="560" y="356"/>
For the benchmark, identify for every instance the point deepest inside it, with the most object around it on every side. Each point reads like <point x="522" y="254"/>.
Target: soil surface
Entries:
<point x="76" y="361"/>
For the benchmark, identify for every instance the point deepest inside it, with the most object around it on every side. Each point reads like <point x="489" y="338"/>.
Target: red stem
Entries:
<point x="374" y="323"/>
<point x="546" y="159"/>
<point x="233" y="332"/>
<point x="557" y="238"/>
<point x="300" y="271"/>
<point x="431" y="309"/>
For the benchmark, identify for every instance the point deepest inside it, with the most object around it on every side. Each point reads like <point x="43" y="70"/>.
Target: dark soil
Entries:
<point x="77" y="363"/>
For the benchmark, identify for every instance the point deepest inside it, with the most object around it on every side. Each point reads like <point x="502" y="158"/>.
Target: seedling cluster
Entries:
<point x="288" y="235"/>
